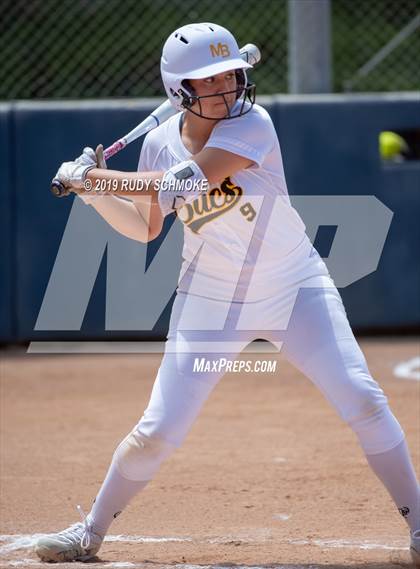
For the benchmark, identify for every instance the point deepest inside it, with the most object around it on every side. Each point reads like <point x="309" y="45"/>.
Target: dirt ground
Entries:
<point x="269" y="475"/>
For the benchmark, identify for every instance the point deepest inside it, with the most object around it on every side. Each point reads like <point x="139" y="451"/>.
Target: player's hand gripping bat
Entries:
<point x="249" y="53"/>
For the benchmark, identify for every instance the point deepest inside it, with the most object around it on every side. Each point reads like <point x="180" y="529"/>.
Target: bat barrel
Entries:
<point x="250" y="53"/>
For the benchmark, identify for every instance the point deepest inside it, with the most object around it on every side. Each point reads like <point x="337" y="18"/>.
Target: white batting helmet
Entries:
<point x="197" y="51"/>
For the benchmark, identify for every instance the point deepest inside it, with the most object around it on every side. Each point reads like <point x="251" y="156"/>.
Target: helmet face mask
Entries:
<point x="245" y="91"/>
<point x="199" y="51"/>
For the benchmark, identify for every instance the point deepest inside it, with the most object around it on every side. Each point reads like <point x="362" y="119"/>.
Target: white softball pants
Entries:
<point x="315" y="336"/>
<point x="318" y="341"/>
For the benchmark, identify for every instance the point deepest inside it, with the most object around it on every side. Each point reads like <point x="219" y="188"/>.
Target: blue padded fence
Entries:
<point x="329" y="146"/>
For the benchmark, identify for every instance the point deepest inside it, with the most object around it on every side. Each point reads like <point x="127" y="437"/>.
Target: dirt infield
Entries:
<point x="269" y="475"/>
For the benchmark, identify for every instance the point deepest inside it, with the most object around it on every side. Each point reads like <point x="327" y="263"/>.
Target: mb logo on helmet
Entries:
<point x="221" y="49"/>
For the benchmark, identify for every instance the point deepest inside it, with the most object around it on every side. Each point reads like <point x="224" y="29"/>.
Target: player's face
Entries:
<point x="220" y="83"/>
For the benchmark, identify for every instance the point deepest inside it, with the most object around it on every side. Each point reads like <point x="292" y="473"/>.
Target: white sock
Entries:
<point x="114" y="495"/>
<point x="395" y="469"/>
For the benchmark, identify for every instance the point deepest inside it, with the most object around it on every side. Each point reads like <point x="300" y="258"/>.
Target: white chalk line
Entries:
<point x="409" y="369"/>
<point x="144" y="539"/>
<point x="26" y="541"/>
<point x="347" y="544"/>
<point x="145" y="565"/>
<point x="17" y="542"/>
<point x="21" y="541"/>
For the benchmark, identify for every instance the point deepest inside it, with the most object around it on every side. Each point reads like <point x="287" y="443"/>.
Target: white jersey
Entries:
<point x="247" y="224"/>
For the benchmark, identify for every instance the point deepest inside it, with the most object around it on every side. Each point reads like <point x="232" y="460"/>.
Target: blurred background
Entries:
<point x="340" y="79"/>
<point x="54" y="49"/>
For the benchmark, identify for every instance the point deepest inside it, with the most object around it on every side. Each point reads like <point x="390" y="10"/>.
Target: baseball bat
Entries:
<point x="250" y="53"/>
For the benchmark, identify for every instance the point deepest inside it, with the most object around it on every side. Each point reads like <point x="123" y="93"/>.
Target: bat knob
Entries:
<point x="58" y="189"/>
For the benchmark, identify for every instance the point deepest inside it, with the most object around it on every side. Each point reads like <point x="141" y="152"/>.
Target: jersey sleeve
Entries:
<point x="252" y="135"/>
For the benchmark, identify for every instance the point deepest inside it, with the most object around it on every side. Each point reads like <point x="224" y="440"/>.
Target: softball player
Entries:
<point x="249" y="271"/>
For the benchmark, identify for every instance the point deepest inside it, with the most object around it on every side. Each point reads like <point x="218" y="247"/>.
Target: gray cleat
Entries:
<point x="415" y="548"/>
<point x="77" y="543"/>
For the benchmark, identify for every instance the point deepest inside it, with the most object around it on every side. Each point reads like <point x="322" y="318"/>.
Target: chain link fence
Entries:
<point x="55" y="49"/>
<point x="376" y="32"/>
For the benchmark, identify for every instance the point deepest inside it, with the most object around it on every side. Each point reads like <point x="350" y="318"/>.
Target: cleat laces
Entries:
<point x="87" y="534"/>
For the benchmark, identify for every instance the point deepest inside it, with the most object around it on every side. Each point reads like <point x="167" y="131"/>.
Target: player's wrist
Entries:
<point x="180" y="185"/>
